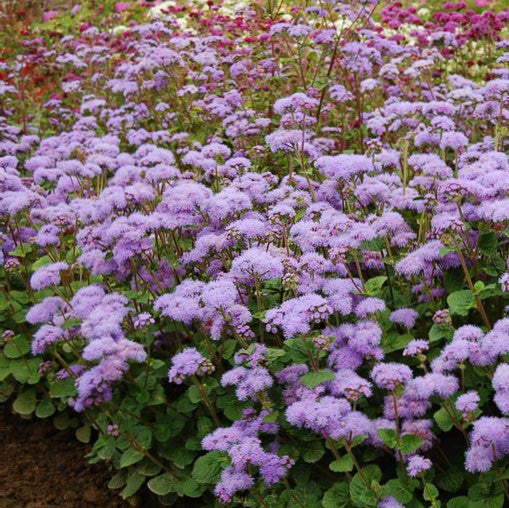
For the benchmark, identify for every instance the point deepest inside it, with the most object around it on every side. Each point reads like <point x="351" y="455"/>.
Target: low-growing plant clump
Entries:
<point x="258" y="254"/>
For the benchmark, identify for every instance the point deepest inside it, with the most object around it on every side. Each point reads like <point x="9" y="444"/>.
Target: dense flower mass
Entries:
<point x="262" y="249"/>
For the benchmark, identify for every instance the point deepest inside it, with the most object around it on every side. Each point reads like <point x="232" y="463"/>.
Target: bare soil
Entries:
<point x="41" y="467"/>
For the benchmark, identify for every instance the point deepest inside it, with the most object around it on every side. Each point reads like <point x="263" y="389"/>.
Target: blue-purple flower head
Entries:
<point x="467" y="403"/>
<point x="417" y="464"/>
<point x="47" y="276"/>
<point x="190" y="362"/>
<point x="389" y="376"/>
<point x="405" y="317"/>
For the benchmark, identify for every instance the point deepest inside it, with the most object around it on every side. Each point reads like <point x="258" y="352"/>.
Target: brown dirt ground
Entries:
<point x="41" y="467"/>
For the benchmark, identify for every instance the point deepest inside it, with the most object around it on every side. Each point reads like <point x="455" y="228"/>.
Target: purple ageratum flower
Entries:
<point x="46" y="336"/>
<point x="294" y="102"/>
<point x="417" y="464"/>
<point x="390" y="502"/>
<point x="369" y="306"/>
<point x="453" y="139"/>
<point x="231" y="482"/>
<point x="488" y="441"/>
<point x="189" y="362"/>
<point x="350" y="385"/>
<point x="183" y="304"/>
<point x="416" y="347"/>
<point x="500" y="383"/>
<point x="223" y="438"/>
<point x="47" y="276"/>
<point x="297" y="315"/>
<point x="254" y="356"/>
<point x="494" y="344"/>
<point x="94" y="386"/>
<point x="248" y="382"/>
<point x="292" y="373"/>
<point x="418" y="260"/>
<point x="434" y="383"/>
<point x="46" y="310"/>
<point x="442" y="317"/>
<point x="405" y="317"/>
<point x="389" y="376"/>
<point x="142" y="320"/>
<point x="504" y="282"/>
<point x="256" y="264"/>
<point x="467" y="403"/>
<point x="322" y="416"/>
<point x="344" y="166"/>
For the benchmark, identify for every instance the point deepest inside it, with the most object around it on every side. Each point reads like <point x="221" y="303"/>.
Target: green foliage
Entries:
<point x="313" y="379"/>
<point x="460" y="302"/>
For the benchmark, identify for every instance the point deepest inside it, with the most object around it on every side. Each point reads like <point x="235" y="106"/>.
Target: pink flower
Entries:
<point x="49" y="15"/>
<point x="122" y="6"/>
<point x="481" y="3"/>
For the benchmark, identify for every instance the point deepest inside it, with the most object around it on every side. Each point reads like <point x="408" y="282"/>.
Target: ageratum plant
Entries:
<point x="261" y="258"/>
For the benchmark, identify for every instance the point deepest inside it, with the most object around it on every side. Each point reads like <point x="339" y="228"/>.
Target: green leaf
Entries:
<point x="105" y="447"/>
<point x="430" y="492"/>
<point x="21" y="250"/>
<point x="134" y="482"/>
<point x="360" y="493"/>
<point x="118" y="480"/>
<point x="271" y="417"/>
<point x="162" y="484"/>
<point x="312" y="451"/>
<point x="19" y="296"/>
<point x="357" y="440"/>
<point x="338" y="496"/>
<point x="194" y="394"/>
<point x="191" y="488"/>
<point x="143" y="436"/>
<point x="460" y="302"/>
<point x="25" y="370"/>
<point x="395" y="342"/>
<point x="42" y="261"/>
<point x="300" y="213"/>
<point x="45" y="408"/>
<point x="70" y="323"/>
<point x="207" y="468"/>
<point x="62" y="421"/>
<point x="488" y="243"/>
<point x="439" y="332"/>
<point x="485" y="494"/>
<point x="376" y="244"/>
<point x="25" y="402"/>
<point x="180" y="455"/>
<point x="62" y="388"/>
<point x="446" y="250"/>
<point x="17" y="347"/>
<point x="396" y="488"/>
<point x="450" y="480"/>
<point x="313" y="379"/>
<point x="443" y="420"/>
<point x="374" y="285"/>
<point x="388" y="436"/>
<point x="409" y="443"/>
<point x="342" y="465"/>
<point x="148" y="468"/>
<point x="298" y="349"/>
<point x="83" y="434"/>
<point x="130" y="457"/>
<point x="458" y="502"/>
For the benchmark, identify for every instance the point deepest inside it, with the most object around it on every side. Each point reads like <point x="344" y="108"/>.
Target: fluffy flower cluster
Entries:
<point x="323" y="244"/>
